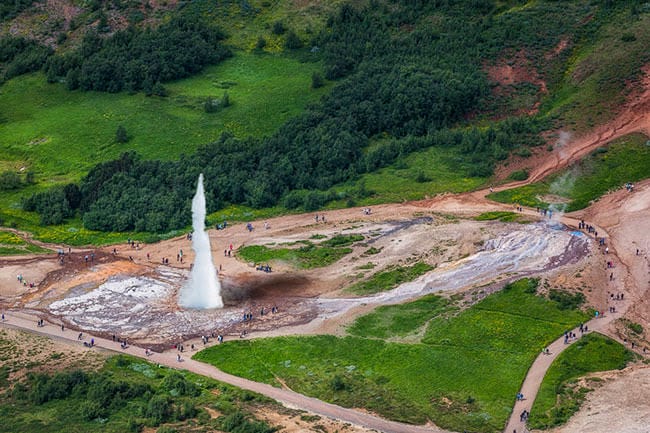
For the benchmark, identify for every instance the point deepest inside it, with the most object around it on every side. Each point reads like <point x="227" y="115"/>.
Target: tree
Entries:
<point x="278" y="28"/>
<point x="292" y="42"/>
<point x="9" y="180"/>
<point x="261" y="43"/>
<point x="317" y="80"/>
<point x="121" y="136"/>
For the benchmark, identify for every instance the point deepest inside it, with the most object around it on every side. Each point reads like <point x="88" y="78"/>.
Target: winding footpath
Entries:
<point x="289" y="398"/>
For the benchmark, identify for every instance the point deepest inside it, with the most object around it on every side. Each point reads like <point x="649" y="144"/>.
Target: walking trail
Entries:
<point x="169" y="358"/>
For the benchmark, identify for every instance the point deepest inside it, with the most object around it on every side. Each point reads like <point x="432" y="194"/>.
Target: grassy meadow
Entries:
<point x="591" y="88"/>
<point x="302" y="254"/>
<point x="561" y="395"/>
<point x="456" y="375"/>
<point x="389" y="278"/>
<point x="11" y="244"/>
<point x="606" y="169"/>
<point x="59" y="135"/>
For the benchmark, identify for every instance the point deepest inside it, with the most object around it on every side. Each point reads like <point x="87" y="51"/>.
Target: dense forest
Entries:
<point x="409" y="76"/>
<point x="132" y="59"/>
<point x="135" y="60"/>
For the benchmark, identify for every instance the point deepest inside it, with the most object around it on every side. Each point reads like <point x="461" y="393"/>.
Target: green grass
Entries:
<point x="592" y="87"/>
<point x="389" y="279"/>
<point x="560" y="395"/>
<point x="245" y="25"/>
<point x="498" y="215"/>
<point x="306" y="256"/>
<point x="12" y="244"/>
<point x="464" y="377"/>
<point x="399" y="320"/>
<point x="399" y="181"/>
<point x="60" y="135"/>
<point x="625" y="160"/>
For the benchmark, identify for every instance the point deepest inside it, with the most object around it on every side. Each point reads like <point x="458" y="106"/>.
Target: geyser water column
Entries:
<point x="203" y="289"/>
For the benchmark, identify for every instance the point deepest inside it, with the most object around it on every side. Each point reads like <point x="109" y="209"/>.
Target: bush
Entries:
<point x="9" y="180"/>
<point x="317" y="80"/>
<point x="121" y="136"/>
<point x="278" y="28"/>
<point x="566" y="300"/>
<point x="237" y="422"/>
<point x="158" y="409"/>
<point x="628" y="37"/>
<point x="177" y="384"/>
<point x="338" y="384"/>
<point x="519" y="175"/>
<point x="91" y="410"/>
<point x="292" y="42"/>
<point x="637" y="328"/>
<point x="260" y="44"/>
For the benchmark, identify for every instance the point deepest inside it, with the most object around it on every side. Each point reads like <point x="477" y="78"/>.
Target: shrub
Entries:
<point x="519" y="175"/>
<point x="317" y="80"/>
<point x="91" y="410"/>
<point x="628" y="37"/>
<point x="9" y="180"/>
<point x="158" y="409"/>
<point x="292" y="42"/>
<point x="260" y="44"/>
<point x="278" y="28"/>
<point x="337" y="383"/>
<point x="635" y="327"/>
<point x="566" y="300"/>
<point x="121" y="136"/>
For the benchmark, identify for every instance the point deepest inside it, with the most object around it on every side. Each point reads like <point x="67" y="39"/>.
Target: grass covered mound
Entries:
<point x="390" y="278"/>
<point x="303" y="254"/>
<point x="625" y="160"/>
<point x="392" y="321"/>
<point x="126" y="395"/>
<point x="462" y="376"/>
<point x="562" y="392"/>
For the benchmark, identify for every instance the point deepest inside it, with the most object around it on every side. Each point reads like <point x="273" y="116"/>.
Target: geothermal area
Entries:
<point x="158" y="295"/>
<point x="160" y="304"/>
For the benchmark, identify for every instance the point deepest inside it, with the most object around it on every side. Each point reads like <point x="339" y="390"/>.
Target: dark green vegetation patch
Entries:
<point x="561" y="393"/>
<point x="463" y="375"/>
<point x="126" y="395"/>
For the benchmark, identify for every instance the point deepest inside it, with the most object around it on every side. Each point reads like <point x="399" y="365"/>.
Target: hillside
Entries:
<point x="415" y="99"/>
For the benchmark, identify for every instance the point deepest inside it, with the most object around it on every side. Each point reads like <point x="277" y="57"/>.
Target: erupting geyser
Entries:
<point x="203" y="289"/>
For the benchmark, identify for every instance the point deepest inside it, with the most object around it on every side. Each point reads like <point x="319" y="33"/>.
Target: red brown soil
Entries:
<point x="633" y="117"/>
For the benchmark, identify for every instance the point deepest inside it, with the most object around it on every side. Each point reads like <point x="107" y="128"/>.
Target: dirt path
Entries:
<point x="631" y="269"/>
<point x="169" y="358"/>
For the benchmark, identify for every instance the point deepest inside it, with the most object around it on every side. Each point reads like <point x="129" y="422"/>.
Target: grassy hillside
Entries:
<point x="60" y="134"/>
<point x="423" y="126"/>
<point x="607" y="169"/>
